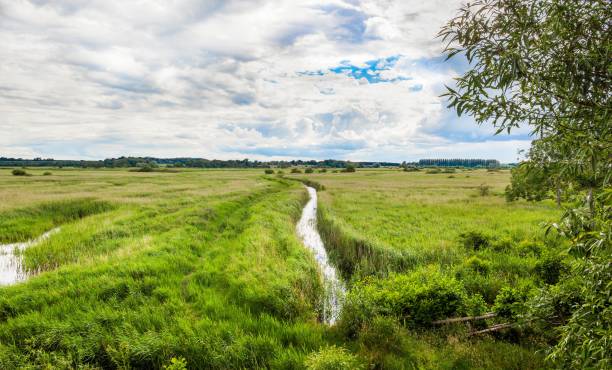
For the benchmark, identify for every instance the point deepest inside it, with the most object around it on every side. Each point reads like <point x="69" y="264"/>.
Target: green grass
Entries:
<point x="206" y="265"/>
<point x="27" y="223"/>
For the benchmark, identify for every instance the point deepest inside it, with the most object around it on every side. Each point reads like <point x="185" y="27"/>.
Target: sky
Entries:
<point x="259" y="79"/>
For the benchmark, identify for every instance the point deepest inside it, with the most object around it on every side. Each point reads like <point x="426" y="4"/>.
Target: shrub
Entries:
<point x="433" y="171"/>
<point x="451" y="177"/>
<point x="349" y="168"/>
<point x="475" y="240"/>
<point x="484" y="190"/>
<point x="550" y="268"/>
<point x="176" y="364"/>
<point x="19" y="172"/>
<point x="449" y="170"/>
<point x="280" y="172"/>
<point x="269" y="171"/>
<point x="332" y="358"/>
<point x="510" y="302"/>
<point x="309" y="170"/>
<point x="417" y="299"/>
<point x="475" y="305"/>
<point x="322" y="170"/>
<point x="47" y="173"/>
<point x="296" y="170"/>
<point x="411" y="169"/>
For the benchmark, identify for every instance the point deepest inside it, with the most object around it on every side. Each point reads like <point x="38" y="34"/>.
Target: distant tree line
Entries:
<point x="459" y="162"/>
<point x="183" y="162"/>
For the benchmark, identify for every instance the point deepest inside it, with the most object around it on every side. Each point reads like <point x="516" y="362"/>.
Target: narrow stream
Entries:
<point x="11" y="259"/>
<point x="334" y="287"/>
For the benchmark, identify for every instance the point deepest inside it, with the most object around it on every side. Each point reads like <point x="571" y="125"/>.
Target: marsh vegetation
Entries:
<point x="206" y="267"/>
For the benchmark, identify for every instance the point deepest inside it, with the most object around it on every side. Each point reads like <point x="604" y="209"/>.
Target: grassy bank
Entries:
<point x="220" y="280"/>
<point x="424" y="246"/>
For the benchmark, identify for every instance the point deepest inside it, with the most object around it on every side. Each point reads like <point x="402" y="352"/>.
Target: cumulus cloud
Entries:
<point x="353" y="79"/>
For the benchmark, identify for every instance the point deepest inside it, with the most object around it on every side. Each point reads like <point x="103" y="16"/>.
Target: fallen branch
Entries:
<point x="463" y="319"/>
<point x="493" y="328"/>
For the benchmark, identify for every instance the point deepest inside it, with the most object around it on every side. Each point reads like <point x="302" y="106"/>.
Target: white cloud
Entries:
<point x="222" y="79"/>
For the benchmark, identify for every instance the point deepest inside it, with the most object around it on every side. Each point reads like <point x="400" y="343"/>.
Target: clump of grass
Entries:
<point x="269" y="171"/>
<point x="332" y="358"/>
<point x="475" y="240"/>
<point x="308" y="170"/>
<point x="484" y="190"/>
<point x="47" y="173"/>
<point x="431" y="171"/>
<point x="296" y="170"/>
<point x="322" y="170"/>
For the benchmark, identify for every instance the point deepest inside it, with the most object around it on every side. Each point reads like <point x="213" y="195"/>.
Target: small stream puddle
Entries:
<point x="334" y="287"/>
<point x="11" y="259"/>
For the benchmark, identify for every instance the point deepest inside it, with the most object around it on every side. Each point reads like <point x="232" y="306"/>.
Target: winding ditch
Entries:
<point x="335" y="289"/>
<point x="11" y="259"/>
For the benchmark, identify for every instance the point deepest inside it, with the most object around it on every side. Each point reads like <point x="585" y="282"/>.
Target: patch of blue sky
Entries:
<point x="371" y="71"/>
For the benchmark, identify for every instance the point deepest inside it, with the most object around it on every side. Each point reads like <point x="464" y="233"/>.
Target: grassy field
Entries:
<point x="205" y="265"/>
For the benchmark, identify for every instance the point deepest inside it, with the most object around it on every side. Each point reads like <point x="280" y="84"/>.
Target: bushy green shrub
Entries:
<point x="474" y="240"/>
<point x="309" y="170"/>
<point x="296" y="170"/>
<point x="322" y="170"/>
<point x="349" y="168"/>
<point x="269" y="171"/>
<point x="475" y="305"/>
<point x="550" y="268"/>
<point x="332" y="358"/>
<point x="176" y="364"/>
<point x="487" y="286"/>
<point x="280" y="172"/>
<point x="510" y="302"/>
<point x="416" y="299"/>
<point x="19" y="172"/>
<point x="411" y="169"/>
<point x="47" y="173"/>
